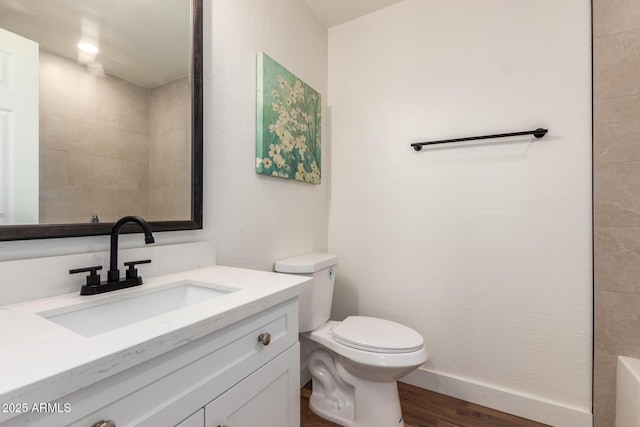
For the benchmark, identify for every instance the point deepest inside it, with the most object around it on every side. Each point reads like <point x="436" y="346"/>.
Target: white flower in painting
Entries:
<point x="275" y="93"/>
<point x="278" y="128"/>
<point x="267" y="163"/>
<point x="278" y="160"/>
<point x="312" y="176"/>
<point x="274" y="150"/>
<point x="288" y="141"/>
<point x="282" y="82"/>
<point x="287" y="147"/>
<point x="301" y="151"/>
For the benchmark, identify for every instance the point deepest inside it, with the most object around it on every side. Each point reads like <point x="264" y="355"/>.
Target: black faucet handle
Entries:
<point x="132" y="272"/>
<point x="93" y="279"/>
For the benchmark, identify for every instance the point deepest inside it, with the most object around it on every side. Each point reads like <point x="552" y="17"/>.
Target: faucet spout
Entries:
<point x="114" y="274"/>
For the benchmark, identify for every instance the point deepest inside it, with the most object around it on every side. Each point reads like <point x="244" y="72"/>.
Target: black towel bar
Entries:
<point x="538" y="133"/>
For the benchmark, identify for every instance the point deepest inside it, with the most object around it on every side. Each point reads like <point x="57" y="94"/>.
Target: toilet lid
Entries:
<point x="377" y="335"/>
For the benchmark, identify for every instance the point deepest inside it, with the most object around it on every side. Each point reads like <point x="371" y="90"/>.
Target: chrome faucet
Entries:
<point x="113" y="275"/>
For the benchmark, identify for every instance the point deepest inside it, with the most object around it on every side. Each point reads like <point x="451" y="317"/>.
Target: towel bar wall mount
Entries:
<point x="538" y="133"/>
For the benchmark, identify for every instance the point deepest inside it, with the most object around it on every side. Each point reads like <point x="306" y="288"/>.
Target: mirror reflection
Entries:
<point x="109" y="84"/>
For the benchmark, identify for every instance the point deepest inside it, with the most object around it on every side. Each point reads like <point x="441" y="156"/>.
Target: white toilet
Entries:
<point x="356" y="362"/>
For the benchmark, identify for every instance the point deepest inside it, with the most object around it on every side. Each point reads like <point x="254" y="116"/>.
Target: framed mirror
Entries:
<point x="101" y="116"/>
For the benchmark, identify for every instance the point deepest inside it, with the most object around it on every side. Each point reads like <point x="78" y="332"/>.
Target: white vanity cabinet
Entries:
<point x="194" y="420"/>
<point x="267" y="398"/>
<point x="243" y="375"/>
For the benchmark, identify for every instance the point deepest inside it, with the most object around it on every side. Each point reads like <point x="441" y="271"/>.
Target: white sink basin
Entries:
<point x="90" y="320"/>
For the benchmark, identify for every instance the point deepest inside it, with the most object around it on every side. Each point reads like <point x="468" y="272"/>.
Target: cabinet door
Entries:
<point x="270" y="397"/>
<point x="195" y="420"/>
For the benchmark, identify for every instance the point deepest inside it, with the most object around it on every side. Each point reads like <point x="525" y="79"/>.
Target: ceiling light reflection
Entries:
<point x="87" y="47"/>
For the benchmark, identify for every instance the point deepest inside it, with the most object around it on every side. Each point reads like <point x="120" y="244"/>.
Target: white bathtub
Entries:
<point x="628" y="392"/>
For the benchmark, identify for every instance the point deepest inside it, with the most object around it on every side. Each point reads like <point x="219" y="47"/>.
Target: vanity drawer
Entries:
<point x="166" y="389"/>
<point x="269" y="397"/>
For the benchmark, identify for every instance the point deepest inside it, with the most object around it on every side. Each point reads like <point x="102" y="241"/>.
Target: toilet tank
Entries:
<point x="315" y="302"/>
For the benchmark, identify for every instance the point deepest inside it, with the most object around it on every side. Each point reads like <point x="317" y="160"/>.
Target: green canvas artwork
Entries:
<point x="288" y="129"/>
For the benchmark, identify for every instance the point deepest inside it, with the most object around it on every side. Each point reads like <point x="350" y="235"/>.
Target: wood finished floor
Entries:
<point x="423" y="408"/>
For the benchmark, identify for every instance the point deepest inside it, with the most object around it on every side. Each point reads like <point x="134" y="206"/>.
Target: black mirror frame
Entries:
<point x="50" y="231"/>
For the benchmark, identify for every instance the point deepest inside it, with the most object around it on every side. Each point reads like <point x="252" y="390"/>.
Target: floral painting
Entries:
<point x="288" y="130"/>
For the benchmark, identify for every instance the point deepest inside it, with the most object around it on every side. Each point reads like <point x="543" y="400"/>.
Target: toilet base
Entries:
<point x="350" y="401"/>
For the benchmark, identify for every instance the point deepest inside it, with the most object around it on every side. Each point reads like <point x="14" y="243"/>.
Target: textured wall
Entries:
<point x="616" y="55"/>
<point x="256" y="219"/>
<point x="94" y="144"/>
<point x="484" y="248"/>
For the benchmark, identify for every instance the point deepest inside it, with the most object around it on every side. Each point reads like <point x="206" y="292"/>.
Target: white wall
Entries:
<point x="253" y="219"/>
<point x="484" y="248"/>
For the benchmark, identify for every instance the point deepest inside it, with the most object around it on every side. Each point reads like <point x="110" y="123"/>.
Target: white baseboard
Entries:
<point x="530" y="407"/>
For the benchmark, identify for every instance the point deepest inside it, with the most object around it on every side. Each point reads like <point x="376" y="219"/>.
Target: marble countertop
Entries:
<point x="42" y="361"/>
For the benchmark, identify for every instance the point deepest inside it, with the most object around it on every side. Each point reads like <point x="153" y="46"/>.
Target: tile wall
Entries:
<point x="616" y="156"/>
<point x="170" y="151"/>
<point x="111" y="148"/>
<point x="94" y="144"/>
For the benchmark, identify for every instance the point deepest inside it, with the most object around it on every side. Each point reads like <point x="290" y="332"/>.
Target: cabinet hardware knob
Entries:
<point x="265" y="339"/>
<point x="104" y="423"/>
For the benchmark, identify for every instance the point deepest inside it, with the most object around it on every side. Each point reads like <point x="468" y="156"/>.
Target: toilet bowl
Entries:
<point x="363" y="376"/>
<point x="354" y="364"/>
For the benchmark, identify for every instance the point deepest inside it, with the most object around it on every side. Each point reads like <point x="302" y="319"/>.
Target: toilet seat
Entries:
<point x="375" y="361"/>
<point x="377" y="335"/>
